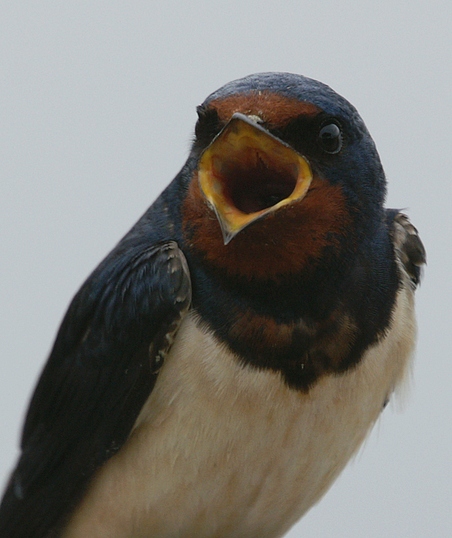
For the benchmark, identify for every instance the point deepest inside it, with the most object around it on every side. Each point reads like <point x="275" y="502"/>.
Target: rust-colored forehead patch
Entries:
<point x="273" y="108"/>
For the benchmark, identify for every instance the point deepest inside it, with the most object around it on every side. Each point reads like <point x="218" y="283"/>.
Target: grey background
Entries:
<point x="97" y="106"/>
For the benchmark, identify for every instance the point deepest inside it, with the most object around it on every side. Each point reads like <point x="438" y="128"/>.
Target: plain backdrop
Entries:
<point x="97" y="107"/>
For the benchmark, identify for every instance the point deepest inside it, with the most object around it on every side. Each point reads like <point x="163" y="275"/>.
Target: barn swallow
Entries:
<point x="216" y="372"/>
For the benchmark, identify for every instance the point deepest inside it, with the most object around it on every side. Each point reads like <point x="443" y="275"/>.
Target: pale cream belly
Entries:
<point x="220" y="450"/>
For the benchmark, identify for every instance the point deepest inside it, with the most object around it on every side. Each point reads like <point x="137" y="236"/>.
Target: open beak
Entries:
<point x="247" y="173"/>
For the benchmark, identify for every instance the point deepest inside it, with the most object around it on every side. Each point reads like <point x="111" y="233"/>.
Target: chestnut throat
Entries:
<point x="281" y="243"/>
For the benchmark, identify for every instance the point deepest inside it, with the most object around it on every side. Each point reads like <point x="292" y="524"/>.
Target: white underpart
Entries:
<point x="222" y="450"/>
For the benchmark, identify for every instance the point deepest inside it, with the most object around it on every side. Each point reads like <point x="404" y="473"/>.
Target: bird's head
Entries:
<point x="283" y="170"/>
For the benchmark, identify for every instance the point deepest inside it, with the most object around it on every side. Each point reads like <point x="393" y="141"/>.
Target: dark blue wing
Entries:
<point x="101" y="370"/>
<point x="407" y="243"/>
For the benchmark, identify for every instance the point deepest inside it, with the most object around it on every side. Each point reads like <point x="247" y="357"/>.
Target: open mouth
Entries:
<point x="247" y="173"/>
<point x="252" y="181"/>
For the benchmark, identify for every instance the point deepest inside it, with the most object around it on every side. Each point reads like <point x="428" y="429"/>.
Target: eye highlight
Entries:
<point x="330" y="138"/>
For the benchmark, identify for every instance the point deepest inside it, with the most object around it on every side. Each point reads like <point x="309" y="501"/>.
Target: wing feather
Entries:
<point x="100" y="372"/>
<point x="407" y="244"/>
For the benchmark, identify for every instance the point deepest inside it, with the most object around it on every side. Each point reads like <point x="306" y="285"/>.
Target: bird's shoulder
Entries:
<point x="408" y="247"/>
<point x="102" y="367"/>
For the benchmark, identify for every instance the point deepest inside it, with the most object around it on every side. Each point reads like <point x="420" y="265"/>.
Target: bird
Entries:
<point x="219" y="368"/>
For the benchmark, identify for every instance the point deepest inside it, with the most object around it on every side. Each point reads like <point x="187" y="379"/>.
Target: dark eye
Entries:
<point x="330" y="138"/>
<point x="207" y="126"/>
